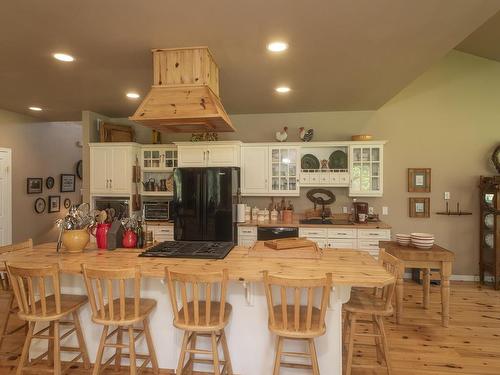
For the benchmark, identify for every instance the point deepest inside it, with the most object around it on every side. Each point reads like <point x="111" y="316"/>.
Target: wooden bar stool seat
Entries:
<point x="105" y="285"/>
<point x="12" y="310"/>
<point x="30" y="285"/>
<point x="294" y="321"/>
<point x="205" y="314"/>
<point x="370" y="307"/>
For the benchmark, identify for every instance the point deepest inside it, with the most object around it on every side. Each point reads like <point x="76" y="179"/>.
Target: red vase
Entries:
<point x="101" y="235"/>
<point x="129" y="239"/>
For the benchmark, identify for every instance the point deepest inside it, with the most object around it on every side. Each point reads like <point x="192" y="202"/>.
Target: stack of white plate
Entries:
<point x="403" y="239"/>
<point x="422" y="240"/>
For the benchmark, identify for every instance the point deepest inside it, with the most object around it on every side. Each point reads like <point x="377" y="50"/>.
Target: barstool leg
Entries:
<point x="100" y="350"/>
<point x="215" y="352"/>
<point x="314" y="357"/>
<point x="57" y="349"/>
<point x="277" y="360"/>
<point x="131" y="348"/>
<point x="385" y="347"/>
<point x="50" y="349"/>
<point x="350" y="348"/>
<point x="191" y="358"/>
<point x="182" y="355"/>
<point x="227" y="357"/>
<point x="6" y="321"/>
<point x="378" y="343"/>
<point x="81" y="341"/>
<point x="119" y="341"/>
<point x="26" y="347"/>
<point x="151" y="347"/>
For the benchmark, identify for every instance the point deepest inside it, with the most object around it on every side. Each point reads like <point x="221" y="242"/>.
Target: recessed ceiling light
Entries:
<point x="133" y="95"/>
<point x="37" y="109"/>
<point x="63" y="57"/>
<point x="282" y="89"/>
<point x="277" y="46"/>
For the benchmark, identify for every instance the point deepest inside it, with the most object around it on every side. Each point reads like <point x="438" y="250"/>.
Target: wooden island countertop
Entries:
<point x="348" y="267"/>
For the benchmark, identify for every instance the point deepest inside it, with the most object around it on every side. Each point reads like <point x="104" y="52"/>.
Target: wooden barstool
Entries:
<point x="376" y="305"/>
<point x="200" y="316"/>
<point x="30" y="282"/>
<point x="295" y="321"/>
<point x="6" y="287"/>
<point x="123" y="313"/>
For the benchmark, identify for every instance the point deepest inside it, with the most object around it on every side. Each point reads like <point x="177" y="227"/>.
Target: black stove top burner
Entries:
<point x="189" y="249"/>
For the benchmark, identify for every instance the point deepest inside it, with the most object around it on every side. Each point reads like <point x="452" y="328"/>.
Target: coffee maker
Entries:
<point x="360" y="208"/>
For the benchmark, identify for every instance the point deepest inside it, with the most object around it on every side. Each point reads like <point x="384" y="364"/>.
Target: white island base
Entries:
<point x="251" y="344"/>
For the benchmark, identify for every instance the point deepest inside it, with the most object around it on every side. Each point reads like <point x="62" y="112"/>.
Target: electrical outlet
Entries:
<point x="447" y="195"/>
<point x="344" y="210"/>
<point x="371" y="210"/>
<point x="385" y="210"/>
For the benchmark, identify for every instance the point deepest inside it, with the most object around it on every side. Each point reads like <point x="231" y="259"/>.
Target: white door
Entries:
<point x="120" y="169"/>
<point x="5" y="197"/>
<point x="192" y="156"/>
<point x="254" y="170"/>
<point x="99" y="164"/>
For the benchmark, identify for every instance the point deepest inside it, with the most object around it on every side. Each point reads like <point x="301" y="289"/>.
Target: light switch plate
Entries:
<point x="447" y="195"/>
<point x="344" y="210"/>
<point x="385" y="210"/>
<point x="371" y="210"/>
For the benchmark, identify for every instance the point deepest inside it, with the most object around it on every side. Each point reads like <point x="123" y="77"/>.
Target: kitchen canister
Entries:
<point x="255" y="213"/>
<point x="248" y="213"/>
<point x="266" y="214"/>
<point x="274" y="215"/>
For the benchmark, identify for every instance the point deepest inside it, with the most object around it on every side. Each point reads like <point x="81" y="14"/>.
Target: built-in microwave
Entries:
<point x="157" y="211"/>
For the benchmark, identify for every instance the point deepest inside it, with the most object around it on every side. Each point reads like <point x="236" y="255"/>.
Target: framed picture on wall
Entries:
<point x="419" y="207"/>
<point x="54" y="203"/>
<point x="419" y="180"/>
<point x="67" y="183"/>
<point x="34" y="185"/>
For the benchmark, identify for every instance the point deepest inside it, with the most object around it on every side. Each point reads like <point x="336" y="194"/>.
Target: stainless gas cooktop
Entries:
<point x="189" y="249"/>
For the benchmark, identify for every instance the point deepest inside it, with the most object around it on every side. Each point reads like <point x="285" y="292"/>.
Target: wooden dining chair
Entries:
<point x="375" y="305"/>
<point x="204" y="314"/>
<point x="121" y="312"/>
<point x="32" y="286"/>
<point x="289" y="319"/>
<point x="6" y="287"/>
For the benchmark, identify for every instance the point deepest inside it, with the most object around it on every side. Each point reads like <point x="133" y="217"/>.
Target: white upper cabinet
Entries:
<point x="254" y="170"/>
<point x="284" y="170"/>
<point x="366" y="170"/>
<point x="158" y="158"/>
<point x="111" y="168"/>
<point x="209" y="154"/>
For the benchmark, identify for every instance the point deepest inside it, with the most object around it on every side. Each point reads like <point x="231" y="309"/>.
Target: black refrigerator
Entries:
<point x="204" y="203"/>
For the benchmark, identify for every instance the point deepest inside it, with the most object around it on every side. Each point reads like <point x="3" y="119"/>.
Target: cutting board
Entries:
<point x="259" y="249"/>
<point x="288" y="243"/>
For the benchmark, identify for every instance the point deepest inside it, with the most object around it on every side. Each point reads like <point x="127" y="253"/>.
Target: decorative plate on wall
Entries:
<point x="40" y="205"/>
<point x="309" y="161"/>
<point x="67" y="203"/>
<point x="49" y="182"/>
<point x="338" y="160"/>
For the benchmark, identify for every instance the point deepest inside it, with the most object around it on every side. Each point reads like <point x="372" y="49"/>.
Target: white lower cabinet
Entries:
<point x="162" y="233"/>
<point x="342" y="243"/>
<point x="247" y="236"/>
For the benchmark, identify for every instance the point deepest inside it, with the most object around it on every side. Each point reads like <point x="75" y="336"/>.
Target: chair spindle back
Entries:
<point x="395" y="267"/>
<point x="4" y="276"/>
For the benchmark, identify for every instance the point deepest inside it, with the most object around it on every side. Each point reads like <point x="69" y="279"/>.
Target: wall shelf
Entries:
<point x="450" y="213"/>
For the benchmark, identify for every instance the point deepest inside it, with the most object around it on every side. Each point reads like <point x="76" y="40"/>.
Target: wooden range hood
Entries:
<point x="185" y="93"/>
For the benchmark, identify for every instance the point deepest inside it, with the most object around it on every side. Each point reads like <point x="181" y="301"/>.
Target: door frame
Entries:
<point x="8" y="151"/>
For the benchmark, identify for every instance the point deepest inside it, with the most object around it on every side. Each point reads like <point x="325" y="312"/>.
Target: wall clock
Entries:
<point x="40" y="205"/>
<point x="49" y="182"/>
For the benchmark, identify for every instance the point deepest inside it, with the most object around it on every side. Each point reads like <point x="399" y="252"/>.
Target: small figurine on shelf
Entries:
<point x="282" y="135"/>
<point x="306" y="135"/>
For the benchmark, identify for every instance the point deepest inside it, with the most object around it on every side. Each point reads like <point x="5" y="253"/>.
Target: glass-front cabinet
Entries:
<point x="161" y="158"/>
<point x="284" y="171"/>
<point x="366" y="165"/>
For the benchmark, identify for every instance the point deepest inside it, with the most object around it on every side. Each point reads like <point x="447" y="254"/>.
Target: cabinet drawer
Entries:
<point x="382" y="234"/>
<point x="343" y="243"/>
<point x="164" y="230"/>
<point x="304" y="178"/>
<point x="247" y="231"/>
<point x="342" y="233"/>
<point x="313" y="232"/>
<point x="368" y="245"/>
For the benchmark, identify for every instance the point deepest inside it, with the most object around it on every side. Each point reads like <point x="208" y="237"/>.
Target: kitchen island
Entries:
<point x="250" y="343"/>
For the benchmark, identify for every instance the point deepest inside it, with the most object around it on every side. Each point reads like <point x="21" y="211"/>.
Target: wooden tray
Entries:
<point x="288" y="243"/>
<point x="259" y="249"/>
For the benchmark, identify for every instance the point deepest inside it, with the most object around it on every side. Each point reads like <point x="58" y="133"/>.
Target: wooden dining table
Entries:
<point x="436" y="257"/>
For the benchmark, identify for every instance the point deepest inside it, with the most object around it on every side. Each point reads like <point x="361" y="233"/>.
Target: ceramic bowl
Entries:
<point x="75" y="240"/>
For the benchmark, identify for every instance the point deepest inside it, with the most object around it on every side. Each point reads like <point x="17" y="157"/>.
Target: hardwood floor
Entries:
<point x="419" y="346"/>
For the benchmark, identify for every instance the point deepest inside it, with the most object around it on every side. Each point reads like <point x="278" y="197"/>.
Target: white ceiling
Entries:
<point x="344" y="54"/>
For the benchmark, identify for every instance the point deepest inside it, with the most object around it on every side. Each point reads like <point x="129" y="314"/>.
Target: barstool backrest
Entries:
<point x="198" y="310"/>
<point x="102" y="286"/>
<point x="4" y="278"/>
<point x="395" y="267"/>
<point x="28" y="282"/>
<point x="293" y="316"/>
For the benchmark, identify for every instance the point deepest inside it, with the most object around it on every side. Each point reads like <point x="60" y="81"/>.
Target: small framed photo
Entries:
<point x="34" y="185"/>
<point x="420" y="207"/>
<point x="419" y="180"/>
<point x="54" y="203"/>
<point x="67" y="183"/>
